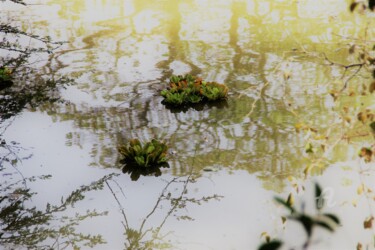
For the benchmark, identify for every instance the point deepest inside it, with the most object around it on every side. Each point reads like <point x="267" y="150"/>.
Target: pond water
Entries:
<point x="226" y="162"/>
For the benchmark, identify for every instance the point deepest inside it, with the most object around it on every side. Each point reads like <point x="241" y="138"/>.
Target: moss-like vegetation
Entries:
<point x="188" y="89"/>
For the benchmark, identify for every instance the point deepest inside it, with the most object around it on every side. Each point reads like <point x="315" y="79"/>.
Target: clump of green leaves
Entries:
<point x="188" y="89"/>
<point x="144" y="159"/>
<point x="327" y="221"/>
<point x="151" y="154"/>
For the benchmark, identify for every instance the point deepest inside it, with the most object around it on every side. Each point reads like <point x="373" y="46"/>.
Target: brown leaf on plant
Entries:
<point x="359" y="246"/>
<point x="352" y="6"/>
<point x="362" y="117"/>
<point x="368" y="223"/>
<point x="366" y="153"/>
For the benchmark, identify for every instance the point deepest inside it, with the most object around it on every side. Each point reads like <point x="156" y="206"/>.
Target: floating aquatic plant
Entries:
<point x="143" y="159"/>
<point x="152" y="153"/>
<point x="188" y="89"/>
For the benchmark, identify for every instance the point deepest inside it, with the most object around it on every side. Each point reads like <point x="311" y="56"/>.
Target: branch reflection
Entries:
<point x="172" y="199"/>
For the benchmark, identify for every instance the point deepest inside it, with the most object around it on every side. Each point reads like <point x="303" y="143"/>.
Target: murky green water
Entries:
<point x="120" y="52"/>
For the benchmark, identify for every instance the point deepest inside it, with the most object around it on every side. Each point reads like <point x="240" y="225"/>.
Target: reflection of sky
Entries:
<point x="216" y="224"/>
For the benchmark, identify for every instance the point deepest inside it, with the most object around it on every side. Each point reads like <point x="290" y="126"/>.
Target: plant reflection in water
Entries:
<point x="169" y="203"/>
<point x="27" y="226"/>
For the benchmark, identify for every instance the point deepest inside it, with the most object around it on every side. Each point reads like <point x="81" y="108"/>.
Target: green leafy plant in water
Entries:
<point x="144" y="159"/>
<point x="173" y="97"/>
<point x="189" y="89"/>
<point x="327" y="221"/>
<point x="214" y="91"/>
<point x="151" y="154"/>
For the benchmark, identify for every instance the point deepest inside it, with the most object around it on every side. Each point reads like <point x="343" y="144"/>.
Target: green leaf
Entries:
<point x="162" y="160"/>
<point x="325" y="225"/>
<point x="319" y="199"/>
<point x="164" y="92"/>
<point x="189" y="78"/>
<point x="149" y="149"/>
<point x="306" y="221"/>
<point x="332" y="217"/>
<point x="309" y="148"/>
<point x="284" y="203"/>
<point x="175" y="79"/>
<point x="272" y="245"/>
<point x="140" y="160"/>
<point x="137" y="149"/>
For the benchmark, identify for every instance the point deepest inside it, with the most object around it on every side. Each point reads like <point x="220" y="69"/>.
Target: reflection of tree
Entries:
<point x="244" y="57"/>
<point x="15" y="98"/>
<point x="25" y="226"/>
<point x="146" y="113"/>
<point x="170" y="202"/>
<point x="27" y="87"/>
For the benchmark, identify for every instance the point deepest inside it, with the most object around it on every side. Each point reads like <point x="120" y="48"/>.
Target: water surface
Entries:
<point x="120" y="53"/>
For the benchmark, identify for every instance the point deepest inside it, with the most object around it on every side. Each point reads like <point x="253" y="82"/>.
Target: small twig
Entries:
<point x="356" y="39"/>
<point x="157" y="202"/>
<point x="340" y="64"/>
<point x="175" y="205"/>
<point x="121" y="190"/>
<point x="7" y="126"/>
<point x="351" y="77"/>
<point x="118" y="202"/>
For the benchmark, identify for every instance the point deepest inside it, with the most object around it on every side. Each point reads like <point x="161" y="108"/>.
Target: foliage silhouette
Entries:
<point x="21" y="85"/>
<point x="327" y="221"/>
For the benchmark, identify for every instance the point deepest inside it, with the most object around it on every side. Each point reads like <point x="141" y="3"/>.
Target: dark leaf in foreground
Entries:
<point x="371" y="88"/>
<point x="272" y="245"/>
<point x="371" y="4"/>
<point x="306" y="221"/>
<point x="333" y="217"/>
<point x="319" y="199"/>
<point x="284" y="203"/>
<point x="325" y="225"/>
<point x="352" y="6"/>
